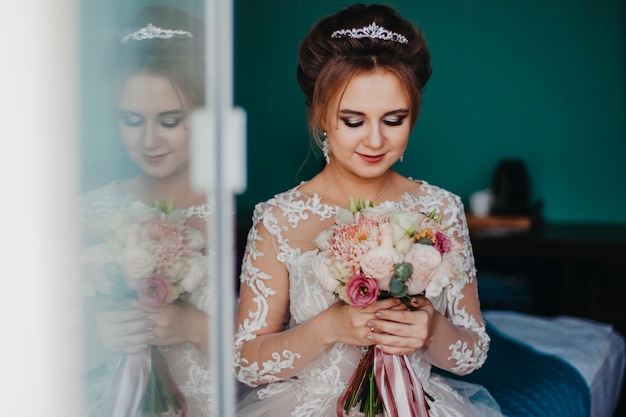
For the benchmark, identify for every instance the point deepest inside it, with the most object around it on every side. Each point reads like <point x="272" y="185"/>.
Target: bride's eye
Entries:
<point x="394" y="121"/>
<point x="171" y="121"/>
<point x="131" y="120"/>
<point x="352" y="122"/>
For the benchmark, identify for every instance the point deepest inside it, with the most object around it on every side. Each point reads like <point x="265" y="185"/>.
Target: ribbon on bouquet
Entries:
<point x="161" y="367"/>
<point x="127" y="383"/>
<point x="401" y="391"/>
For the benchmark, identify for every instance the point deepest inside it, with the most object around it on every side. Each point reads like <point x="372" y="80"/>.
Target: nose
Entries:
<point x="374" y="138"/>
<point x="150" y="137"/>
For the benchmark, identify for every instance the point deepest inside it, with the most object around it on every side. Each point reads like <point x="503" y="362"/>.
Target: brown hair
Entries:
<point x="326" y="65"/>
<point x="180" y="59"/>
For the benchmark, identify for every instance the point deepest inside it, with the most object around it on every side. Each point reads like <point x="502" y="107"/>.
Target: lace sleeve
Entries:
<point x="265" y="351"/>
<point x="460" y="342"/>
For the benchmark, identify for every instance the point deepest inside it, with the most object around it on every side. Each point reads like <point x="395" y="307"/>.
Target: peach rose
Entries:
<point x="424" y="259"/>
<point x="379" y="263"/>
<point x="136" y="263"/>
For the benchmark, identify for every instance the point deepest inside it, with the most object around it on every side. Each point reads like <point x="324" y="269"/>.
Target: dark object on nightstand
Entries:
<point x="511" y="189"/>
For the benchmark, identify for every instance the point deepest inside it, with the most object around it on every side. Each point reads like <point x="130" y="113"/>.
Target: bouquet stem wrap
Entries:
<point x="141" y="384"/>
<point x="384" y="382"/>
<point x="400" y="389"/>
<point x="128" y="382"/>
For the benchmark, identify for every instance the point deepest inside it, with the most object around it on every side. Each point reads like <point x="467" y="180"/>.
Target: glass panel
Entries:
<point x="155" y="210"/>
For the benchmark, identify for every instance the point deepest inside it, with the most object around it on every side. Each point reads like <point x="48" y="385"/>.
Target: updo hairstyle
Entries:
<point x="326" y="64"/>
<point x="180" y="59"/>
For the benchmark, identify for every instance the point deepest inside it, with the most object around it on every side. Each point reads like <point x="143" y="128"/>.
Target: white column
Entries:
<point x="38" y="309"/>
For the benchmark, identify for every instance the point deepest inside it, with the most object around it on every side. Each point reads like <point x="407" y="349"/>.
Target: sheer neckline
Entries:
<point x="202" y="211"/>
<point x="319" y="201"/>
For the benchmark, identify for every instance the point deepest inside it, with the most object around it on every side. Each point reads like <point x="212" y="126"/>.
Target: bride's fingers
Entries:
<point x="381" y="305"/>
<point x="129" y="344"/>
<point x="124" y="331"/>
<point x="120" y="316"/>
<point x="399" y="349"/>
<point x="109" y="330"/>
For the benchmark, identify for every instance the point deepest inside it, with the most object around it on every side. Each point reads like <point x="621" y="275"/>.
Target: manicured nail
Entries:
<point x="379" y="314"/>
<point x="370" y="337"/>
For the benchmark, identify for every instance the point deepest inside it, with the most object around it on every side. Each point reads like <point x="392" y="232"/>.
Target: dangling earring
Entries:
<point x="401" y="157"/>
<point x="326" y="149"/>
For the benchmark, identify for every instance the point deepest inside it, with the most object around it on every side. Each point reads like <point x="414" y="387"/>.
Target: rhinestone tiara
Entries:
<point x="373" y="31"/>
<point x="152" y="32"/>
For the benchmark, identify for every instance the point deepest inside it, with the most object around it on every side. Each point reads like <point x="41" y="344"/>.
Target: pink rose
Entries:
<point x="154" y="290"/>
<point x="424" y="259"/>
<point x="379" y="263"/>
<point x="361" y="290"/>
<point x="442" y="243"/>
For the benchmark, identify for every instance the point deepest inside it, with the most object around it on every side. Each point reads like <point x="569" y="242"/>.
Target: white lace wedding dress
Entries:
<point x="281" y="239"/>
<point x="188" y="366"/>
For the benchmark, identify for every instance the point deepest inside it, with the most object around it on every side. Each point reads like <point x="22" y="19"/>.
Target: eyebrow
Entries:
<point x="165" y="113"/>
<point x="389" y="113"/>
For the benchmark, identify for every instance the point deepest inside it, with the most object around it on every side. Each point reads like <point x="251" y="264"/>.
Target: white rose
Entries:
<point x="93" y="258"/>
<point x="324" y="277"/>
<point x="404" y="223"/>
<point x="404" y="244"/>
<point x="176" y="217"/>
<point x="424" y="259"/>
<point x="340" y="271"/>
<point x="176" y="271"/>
<point x="196" y="274"/>
<point x="136" y="263"/>
<point x="196" y="240"/>
<point x="344" y="217"/>
<point x="321" y="241"/>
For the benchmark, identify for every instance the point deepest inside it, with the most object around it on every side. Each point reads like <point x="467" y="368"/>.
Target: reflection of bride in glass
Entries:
<point x="158" y="74"/>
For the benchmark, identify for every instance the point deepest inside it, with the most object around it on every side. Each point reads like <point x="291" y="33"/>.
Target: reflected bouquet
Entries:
<point x="376" y="252"/>
<point x="149" y="253"/>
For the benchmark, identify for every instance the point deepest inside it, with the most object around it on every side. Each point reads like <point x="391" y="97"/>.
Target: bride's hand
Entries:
<point x="124" y="329"/>
<point x="176" y="323"/>
<point x="400" y="331"/>
<point x="343" y="323"/>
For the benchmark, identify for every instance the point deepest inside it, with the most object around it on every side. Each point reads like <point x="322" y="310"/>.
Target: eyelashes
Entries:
<point x="169" y="122"/>
<point x="131" y="121"/>
<point x="353" y="123"/>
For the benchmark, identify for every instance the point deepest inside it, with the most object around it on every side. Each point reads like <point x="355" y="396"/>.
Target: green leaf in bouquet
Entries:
<point x="165" y="206"/>
<point x="397" y="287"/>
<point x="424" y="241"/>
<point x="403" y="271"/>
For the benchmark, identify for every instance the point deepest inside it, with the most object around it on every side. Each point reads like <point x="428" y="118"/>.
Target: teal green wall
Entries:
<point x="541" y="80"/>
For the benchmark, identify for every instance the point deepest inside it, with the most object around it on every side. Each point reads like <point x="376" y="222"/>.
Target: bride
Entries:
<point x="362" y="71"/>
<point x="158" y="72"/>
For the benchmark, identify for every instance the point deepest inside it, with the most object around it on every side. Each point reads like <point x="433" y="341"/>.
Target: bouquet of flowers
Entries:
<point x="151" y="254"/>
<point x="373" y="253"/>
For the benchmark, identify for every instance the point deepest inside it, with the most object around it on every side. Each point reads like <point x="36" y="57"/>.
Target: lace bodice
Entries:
<point x="188" y="366"/>
<point x="279" y="290"/>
